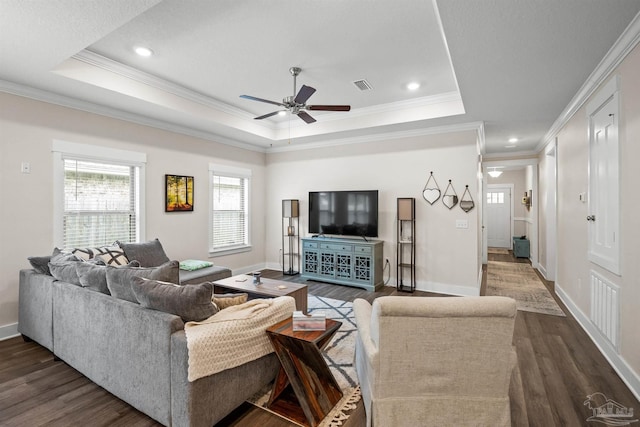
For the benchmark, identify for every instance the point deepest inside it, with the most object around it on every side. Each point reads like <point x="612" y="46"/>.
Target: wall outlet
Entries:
<point x="25" y="167"/>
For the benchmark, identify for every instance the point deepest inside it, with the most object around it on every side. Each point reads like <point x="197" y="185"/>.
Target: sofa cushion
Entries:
<point x="148" y="254"/>
<point x="223" y="301"/>
<point x="119" y="279"/>
<point x="190" y="302"/>
<point x="207" y="274"/>
<point x="94" y="276"/>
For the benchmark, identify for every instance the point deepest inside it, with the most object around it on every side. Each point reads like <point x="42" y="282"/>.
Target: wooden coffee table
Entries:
<point x="303" y="370"/>
<point x="269" y="288"/>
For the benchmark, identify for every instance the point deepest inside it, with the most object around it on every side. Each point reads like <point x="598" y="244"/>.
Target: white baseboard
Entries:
<point x="542" y="270"/>
<point x="9" y="331"/>
<point x="628" y="375"/>
<point x="250" y="268"/>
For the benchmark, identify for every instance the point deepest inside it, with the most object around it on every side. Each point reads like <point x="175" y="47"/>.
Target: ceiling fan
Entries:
<point x="296" y="104"/>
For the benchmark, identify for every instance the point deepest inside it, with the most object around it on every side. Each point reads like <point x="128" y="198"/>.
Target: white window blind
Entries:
<point x="230" y="211"/>
<point x="99" y="203"/>
<point x="97" y="195"/>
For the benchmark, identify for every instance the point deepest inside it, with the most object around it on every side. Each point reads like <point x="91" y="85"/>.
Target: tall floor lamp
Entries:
<point x="290" y="237"/>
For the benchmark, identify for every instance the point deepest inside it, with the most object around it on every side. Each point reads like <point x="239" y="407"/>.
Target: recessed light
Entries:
<point x="513" y="140"/>
<point x="143" y="51"/>
<point x="413" y="86"/>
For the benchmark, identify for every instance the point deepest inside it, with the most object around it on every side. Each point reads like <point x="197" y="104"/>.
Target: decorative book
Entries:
<point x="313" y="322"/>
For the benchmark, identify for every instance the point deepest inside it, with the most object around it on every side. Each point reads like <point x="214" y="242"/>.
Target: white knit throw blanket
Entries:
<point x="234" y="336"/>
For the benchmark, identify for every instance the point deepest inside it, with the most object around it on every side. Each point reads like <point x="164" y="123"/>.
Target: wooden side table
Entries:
<point x="302" y="367"/>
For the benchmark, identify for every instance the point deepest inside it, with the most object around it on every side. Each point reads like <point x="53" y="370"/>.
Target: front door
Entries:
<point x="499" y="217"/>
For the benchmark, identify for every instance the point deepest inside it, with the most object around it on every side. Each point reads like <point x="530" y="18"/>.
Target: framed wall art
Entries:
<point x="178" y="194"/>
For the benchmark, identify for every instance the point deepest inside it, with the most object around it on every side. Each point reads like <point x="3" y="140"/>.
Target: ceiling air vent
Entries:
<point x="363" y="84"/>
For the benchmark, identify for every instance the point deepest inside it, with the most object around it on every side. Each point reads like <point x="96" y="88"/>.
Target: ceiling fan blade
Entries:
<point x="253" y="98"/>
<point x="306" y="117"/>
<point x="329" y="107"/>
<point x="304" y="93"/>
<point x="267" y="115"/>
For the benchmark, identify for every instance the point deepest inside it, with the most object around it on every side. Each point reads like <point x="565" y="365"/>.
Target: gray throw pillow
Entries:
<point x="149" y="254"/>
<point x="190" y="302"/>
<point x="119" y="279"/>
<point x="65" y="271"/>
<point x="94" y="276"/>
<point x="40" y="264"/>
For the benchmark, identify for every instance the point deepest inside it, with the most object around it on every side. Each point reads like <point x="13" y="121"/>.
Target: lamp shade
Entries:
<point x="290" y="208"/>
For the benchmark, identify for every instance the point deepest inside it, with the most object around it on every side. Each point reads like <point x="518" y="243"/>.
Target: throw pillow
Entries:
<point x="119" y="279"/>
<point x="110" y="255"/>
<point x="190" y="302"/>
<point x="40" y="264"/>
<point x="223" y="301"/>
<point x="94" y="276"/>
<point x="65" y="271"/>
<point x="149" y="254"/>
<point x="194" y="264"/>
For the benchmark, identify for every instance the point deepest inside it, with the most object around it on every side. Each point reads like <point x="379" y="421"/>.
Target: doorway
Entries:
<point x="499" y="199"/>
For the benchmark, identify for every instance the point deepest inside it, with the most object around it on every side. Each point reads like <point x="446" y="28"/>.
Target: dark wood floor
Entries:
<point x="559" y="367"/>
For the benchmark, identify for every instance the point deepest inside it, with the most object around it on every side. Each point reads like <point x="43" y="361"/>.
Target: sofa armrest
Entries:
<point x="362" y="311"/>
<point x="35" y="307"/>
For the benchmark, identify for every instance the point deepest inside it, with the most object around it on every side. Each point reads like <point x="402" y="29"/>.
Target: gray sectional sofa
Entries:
<point x="137" y="354"/>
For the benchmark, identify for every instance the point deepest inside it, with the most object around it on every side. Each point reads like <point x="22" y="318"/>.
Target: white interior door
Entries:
<point x="498" y="217"/>
<point x="604" y="175"/>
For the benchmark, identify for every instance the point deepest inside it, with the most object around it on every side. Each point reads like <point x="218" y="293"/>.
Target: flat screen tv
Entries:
<point x="344" y="213"/>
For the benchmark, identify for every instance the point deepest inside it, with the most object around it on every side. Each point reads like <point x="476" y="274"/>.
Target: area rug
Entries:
<point x="498" y="251"/>
<point x="339" y="357"/>
<point x="520" y="282"/>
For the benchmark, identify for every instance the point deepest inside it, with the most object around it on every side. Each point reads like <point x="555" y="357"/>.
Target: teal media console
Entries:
<point x="343" y="261"/>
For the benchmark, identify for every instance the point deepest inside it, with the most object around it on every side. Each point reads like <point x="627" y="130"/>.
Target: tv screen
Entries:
<point x="346" y="213"/>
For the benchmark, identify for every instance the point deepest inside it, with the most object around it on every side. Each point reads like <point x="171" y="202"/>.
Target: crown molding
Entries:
<point x="76" y="104"/>
<point x="381" y="136"/>
<point x="620" y="49"/>
<point x="96" y="60"/>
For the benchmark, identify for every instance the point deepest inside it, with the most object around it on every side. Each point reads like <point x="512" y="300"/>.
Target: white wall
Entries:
<point x="27" y="129"/>
<point x="573" y="266"/>
<point x="447" y="258"/>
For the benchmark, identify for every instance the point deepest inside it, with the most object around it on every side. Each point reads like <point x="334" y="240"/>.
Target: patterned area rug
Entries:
<point x="520" y="282"/>
<point x="339" y="357"/>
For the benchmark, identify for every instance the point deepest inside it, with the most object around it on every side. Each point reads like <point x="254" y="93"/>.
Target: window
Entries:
<point x="229" y="209"/>
<point x="97" y="196"/>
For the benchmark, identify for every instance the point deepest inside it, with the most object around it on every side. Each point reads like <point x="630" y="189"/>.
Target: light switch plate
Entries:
<point x="462" y="223"/>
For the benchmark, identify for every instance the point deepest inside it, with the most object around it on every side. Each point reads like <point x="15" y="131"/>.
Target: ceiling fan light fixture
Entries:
<point x="282" y="113"/>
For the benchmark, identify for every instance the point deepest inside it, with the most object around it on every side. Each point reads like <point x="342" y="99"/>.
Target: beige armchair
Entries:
<point x="435" y="361"/>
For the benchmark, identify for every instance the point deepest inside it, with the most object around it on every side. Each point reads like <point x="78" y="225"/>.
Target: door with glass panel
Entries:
<point x="499" y="217"/>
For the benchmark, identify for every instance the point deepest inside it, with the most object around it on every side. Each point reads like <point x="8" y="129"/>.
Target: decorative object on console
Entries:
<point x="450" y="198"/>
<point x="406" y="247"/>
<point x="466" y="203"/>
<point x="290" y="238"/>
<point x="431" y="191"/>
<point x="178" y="194"/>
